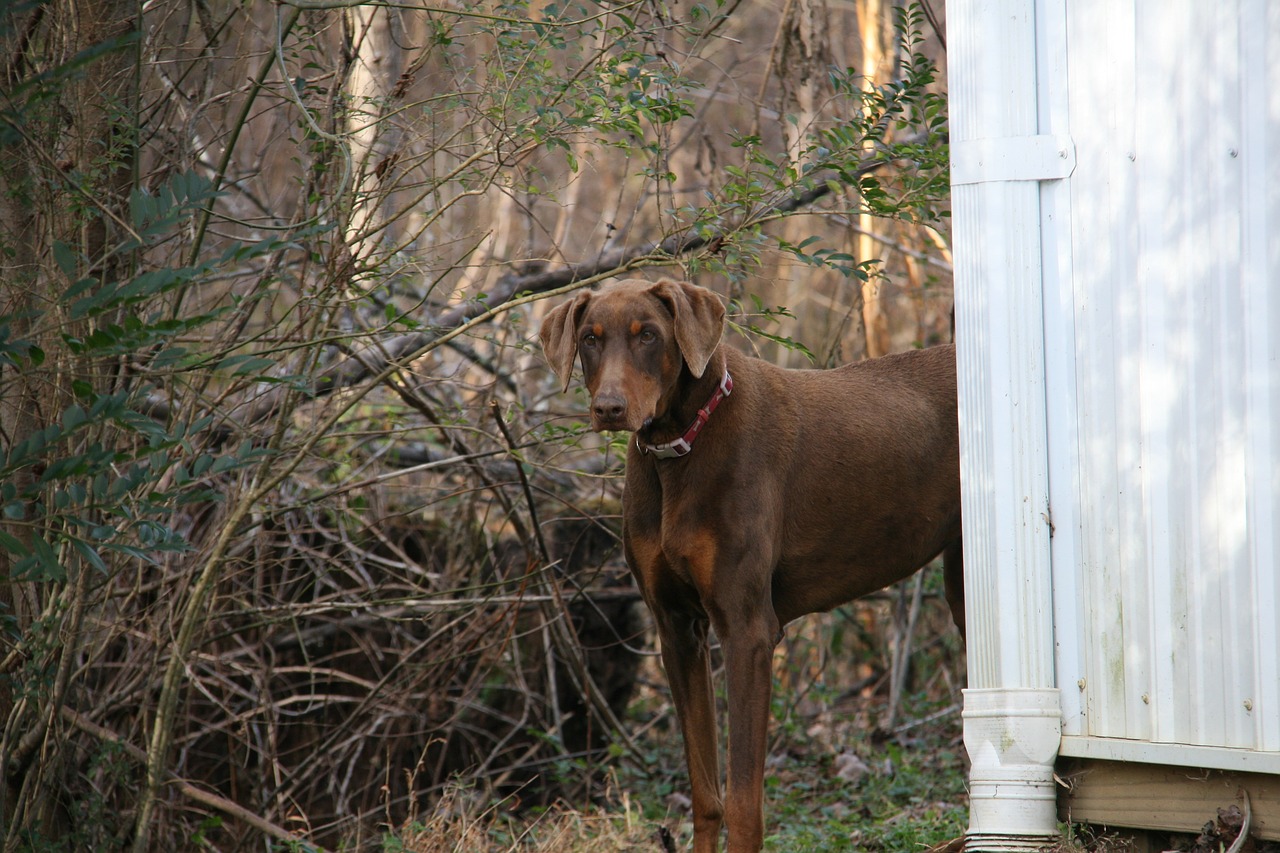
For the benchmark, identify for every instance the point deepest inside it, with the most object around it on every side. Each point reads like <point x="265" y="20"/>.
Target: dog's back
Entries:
<point x="868" y="462"/>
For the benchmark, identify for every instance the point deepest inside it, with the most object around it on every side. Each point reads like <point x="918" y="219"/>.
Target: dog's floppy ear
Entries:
<point x="559" y="335"/>
<point x="699" y="320"/>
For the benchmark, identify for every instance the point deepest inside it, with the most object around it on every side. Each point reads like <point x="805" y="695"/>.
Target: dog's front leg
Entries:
<point x="686" y="657"/>
<point x="747" y="639"/>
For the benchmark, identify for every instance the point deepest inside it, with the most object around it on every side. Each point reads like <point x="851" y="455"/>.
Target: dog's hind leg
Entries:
<point x="748" y="640"/>
<point x="953" y="575"/>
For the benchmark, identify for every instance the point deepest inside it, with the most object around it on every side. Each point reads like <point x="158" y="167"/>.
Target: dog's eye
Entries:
<point x="647" y="337"/>
<point x="589" y="340"/>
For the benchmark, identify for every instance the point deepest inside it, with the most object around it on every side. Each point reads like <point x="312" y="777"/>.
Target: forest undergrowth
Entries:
<point x="855" y="762"/>
<point x="298" y="534"/>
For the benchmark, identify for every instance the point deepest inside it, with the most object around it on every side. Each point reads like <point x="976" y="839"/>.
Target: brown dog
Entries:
<point x="755" y="495"/>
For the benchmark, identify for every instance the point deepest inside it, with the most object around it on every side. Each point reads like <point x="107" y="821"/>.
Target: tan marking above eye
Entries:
<point x="635" y="327"/>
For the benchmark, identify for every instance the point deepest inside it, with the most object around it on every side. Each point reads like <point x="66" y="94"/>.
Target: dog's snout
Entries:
<point x="609" y="409"/>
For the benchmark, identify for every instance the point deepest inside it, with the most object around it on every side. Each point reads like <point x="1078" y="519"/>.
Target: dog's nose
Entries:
<point x="609" y="408"/>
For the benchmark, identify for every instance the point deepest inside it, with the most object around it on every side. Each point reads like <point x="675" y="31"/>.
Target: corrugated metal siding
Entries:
<point x="994" y="120"/>
<point x="1163" y="374"/>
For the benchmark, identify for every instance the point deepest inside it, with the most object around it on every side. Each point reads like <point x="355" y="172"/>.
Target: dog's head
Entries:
<point x="635" y="338"/>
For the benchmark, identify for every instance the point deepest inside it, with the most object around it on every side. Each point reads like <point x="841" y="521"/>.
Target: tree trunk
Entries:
<point x="802" y="58"/>
<point x="65" y="179"/>
<point x="878" y="59"/>
<point x="375" y="68"/>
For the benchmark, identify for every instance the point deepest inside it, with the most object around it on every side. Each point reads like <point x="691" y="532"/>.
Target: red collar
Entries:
<point x="684" y="443"/>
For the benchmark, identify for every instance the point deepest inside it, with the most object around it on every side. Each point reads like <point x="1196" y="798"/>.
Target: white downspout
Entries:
<point x="1012" y="712"/>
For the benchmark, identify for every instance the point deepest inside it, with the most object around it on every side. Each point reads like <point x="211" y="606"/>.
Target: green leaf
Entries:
<point x="66" y="258"/>
<point x="73" y="417"/>
<point x="42" y="565"/>
<point x="90" y="555"/>
<point x="245" y="365"/>
<point x="12" y="545"/>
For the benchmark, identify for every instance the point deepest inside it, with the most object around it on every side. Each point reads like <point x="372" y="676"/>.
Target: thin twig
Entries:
<point x="1238" y="844"/>
<point x="902" y="648"/>
<point x="524" y="483"/>
<point x="933" y="21"/>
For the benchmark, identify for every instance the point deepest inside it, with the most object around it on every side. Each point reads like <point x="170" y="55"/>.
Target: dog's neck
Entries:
<point x="680" y="409"/>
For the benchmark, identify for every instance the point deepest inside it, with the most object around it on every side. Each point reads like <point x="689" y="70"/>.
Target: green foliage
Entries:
<point x="755" y="319"/>
<point x="209" y="361"/>
<point x="31" y="95"/>
<point x="912" y="799"/>
<point x="106" y="476"/>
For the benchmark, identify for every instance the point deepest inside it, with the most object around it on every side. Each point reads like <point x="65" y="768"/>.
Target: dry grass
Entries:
<point x="454" y="828"/>
<point x="831" y="703"/>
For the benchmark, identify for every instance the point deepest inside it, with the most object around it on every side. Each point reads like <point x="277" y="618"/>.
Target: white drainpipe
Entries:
<point x="1012" y="737"/>
<point x="1004" y="146"/>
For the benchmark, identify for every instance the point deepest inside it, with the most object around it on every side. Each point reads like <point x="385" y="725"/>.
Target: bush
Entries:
<point x="293" y="529"/>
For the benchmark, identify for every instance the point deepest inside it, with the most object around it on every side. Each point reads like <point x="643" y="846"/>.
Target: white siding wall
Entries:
<point x="1162" y="330"/>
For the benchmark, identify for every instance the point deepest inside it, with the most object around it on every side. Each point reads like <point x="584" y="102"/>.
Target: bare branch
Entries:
<point x="384" y="355"/>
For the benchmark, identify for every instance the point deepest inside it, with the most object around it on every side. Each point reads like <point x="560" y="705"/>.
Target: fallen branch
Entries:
<point x="191" y="792"/>
<point x="516" y="287"/>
